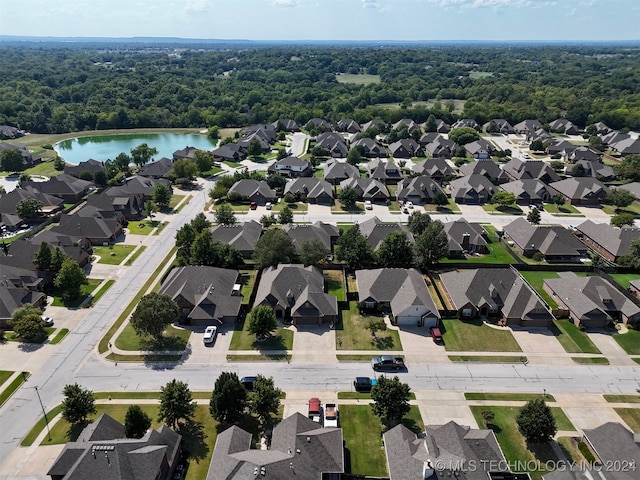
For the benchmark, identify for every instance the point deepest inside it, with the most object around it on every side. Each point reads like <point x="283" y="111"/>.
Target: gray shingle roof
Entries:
<point x="456" y="231"/>
<point x="422" y="187"/>
<point x="550" y="240"/>
<point x="323" y="232"/>
<point x="243" y="236"/>
<point x="527" y="190"/>
<point x="250" y="188"/>
<point x="486" y="168"/>
<point x="340" y="171"/>
<point x="613" y="443"/>
<point x="471" y="188"/>
<point x="615" y="240"/>
<point x="311" y="187"/>
<point x="367" y="188"/>
<point x="580" y="188"/>
<point x="375" y="231"/>
<point x="434" y="167"/>
<point x="531" y="169"/>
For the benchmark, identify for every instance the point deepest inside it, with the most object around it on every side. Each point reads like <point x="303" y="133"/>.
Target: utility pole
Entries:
<point x="46" y="420"/>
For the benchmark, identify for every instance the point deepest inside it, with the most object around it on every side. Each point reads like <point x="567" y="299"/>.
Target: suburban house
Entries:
<point x="66" y="187"/>
<point x="418" y="190"/>
<point x="9" y="201"/>
<point x="375" y="231"/>
<point x="602" y="128"/>
<point x="187" y="152"/>
<point x="265" y="131"/>
<point x="555" y="242"/>
<point x="129" y="206"/>
<point x="19" y="286"/>
<point x="517" y="169"/>
<point x="310" y="189"/>
<point x="406" y="148"/>
<point x="562" y="125"/>
<point x="440" y="148"/>
<point x="488" y="169"/>
<point x="380" y="125"/>
<point x="628" y="146"/>
<point x="10" y="222"/>
<point x="401" y="292"/>
<point x="609" y="242"/>
<point x="335" y="171"/>
<point x="498" y="295"/>
<point x="8" y="132"/>
<point x="138" y="185"/>
<point x="371" y="147"/>
<point x="465" y="238"/>
<point x="102" y="452"/>
<point x="466" y="122"/>
<point x="367" y="188"/>
<point x="205" y="295"/>
<point x="92" y="166"/>
<point x="242" y="236"/>
<point x="21" y="252"/>
<point x="296" y="295"/>
<point x="407" y="123"/>
<point x="318" y="124"/>
<point x="98" y="227"/>
<point x="300" y="449"/>
<point x="576" y="154"/>
<point x="158" y="169"/>
<point x="286" y="125"/>
<point x="591" y="302"/>
<point x="292" y="167"/>
<point x="634" y="287"/>
<point x="449" y="451"/>
<point x="28" y="158"/>
<point x="257" y="191"/>
<point x="480" y="149"/>
<point x="436" y="168"/>
<point x="385" y="171"/>
<point x="473" y="189"/>
<point x="633" y="187"/>
<point x="540" y="135"/>
<point x="429" y="137"/>
<point x="527" y="126"/>
<point x="333" y="144"/>
<point x="598" y="169"/>
<point x="580" y="190"/>
<point x="498" y="125"/>
<point x="324" y="233"/>
<point x="559" y="146"/>
<point x="613" y="137"/>
<point x="261" y="136"/>
<point x="528" y="192"/>
<point x="231" y="152"/>
<point x="442" y="126"/>
<point x="348" y="125"/>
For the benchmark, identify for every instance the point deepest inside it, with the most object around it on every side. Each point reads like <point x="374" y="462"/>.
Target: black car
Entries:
<point x="248" y="382"/>
<point x="363" y="384"/>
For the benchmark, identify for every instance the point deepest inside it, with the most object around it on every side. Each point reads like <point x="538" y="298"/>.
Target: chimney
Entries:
<point x="466" y="241"/>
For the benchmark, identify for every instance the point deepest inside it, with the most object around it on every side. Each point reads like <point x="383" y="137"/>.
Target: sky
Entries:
<point x="398" y="20"/>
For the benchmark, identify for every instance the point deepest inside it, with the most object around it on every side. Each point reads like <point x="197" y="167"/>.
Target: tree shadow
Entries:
<point x="172" y="343"/>
<point x="274" y="342"/>
<point x="194" y="440"/>
<point x="494" y="428"/>
<point x="383" y="343"/>
<point x="542" y="451"/>
<point x="75" y="430"/>
<point x="347" y="460"/>
<point x="411" y="424"/>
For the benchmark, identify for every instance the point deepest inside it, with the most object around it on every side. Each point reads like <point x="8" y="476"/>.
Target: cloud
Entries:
<point x="490" y="3"/>
<point x="285" y="3"/>
<point x="369" y="3"/>
<point x="197" y="6"/>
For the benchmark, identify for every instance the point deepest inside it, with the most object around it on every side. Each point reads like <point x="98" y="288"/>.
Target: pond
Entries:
<point x="104" y="147"/>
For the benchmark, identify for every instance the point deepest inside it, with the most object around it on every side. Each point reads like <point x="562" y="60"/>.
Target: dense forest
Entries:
<point x="55" y="90"/>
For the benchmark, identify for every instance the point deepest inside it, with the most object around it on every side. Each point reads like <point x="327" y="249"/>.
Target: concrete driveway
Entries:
<point x="314" y="344"/>
<point x="540" y="345"/>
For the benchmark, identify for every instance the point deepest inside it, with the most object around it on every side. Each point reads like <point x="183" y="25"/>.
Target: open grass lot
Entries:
<point x="513" y="397"/>
<point x="629" y="341"/>
<point x="85" y="290"/>
<point x="536" y="280"/>
<point x="364" y="452"/>
<point x="572" y="339"/>
<point x="357" y="79"/>
<point x="113" y="254"/>
<point x="631" y="417"/>
<point x="6" y="393"/>
<point x="512" y="443"/>
<point x="333" y="280"/>
<point x="566" y="210"/>
<point x="175" y="339"/>
<point x="45" y="168"/>
<point x="624" y="278"/>
<point x="622" y="398"/>
<point x="282" y="339"/>
<point x="352" y="333"/>
<point x="143" y="227"/>
<point x="474" y="336"/>
<point x="248" y="281"/>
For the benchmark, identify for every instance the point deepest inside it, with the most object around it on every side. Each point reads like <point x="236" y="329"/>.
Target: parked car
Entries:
<point x="364" y="384"/>
<point x="409" y="205"/>
<point x="268" y="205"/>
<point x="210" y="334"/>
<point x="405" y="210"/>
<point x="48" y="321"/>
<point x="387" y="362"/>
<point x="253" y="205"/>
<point x="435" y="334"/>
<point x="331" y="415"/>
<point x="315" y="409"/>
<point x="526" y="156"/>
<point x="368" y="205"/>
<point x="248" y="382"/>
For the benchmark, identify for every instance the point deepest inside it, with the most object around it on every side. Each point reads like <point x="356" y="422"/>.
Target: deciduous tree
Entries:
<point x="348" y="197"/>
<point x="161" y="195"/>
<point x="229" y="398"/>
<point x="176" y="404"/>
<point x="352" y="249"/>
<point x="29" y="208"/>
<point x="463" y="135"/>
<point x="395" y="251"/>
<point x="390" y="400"/>
<point x="418" y="222"/>
<point x="184" y="169"/>
<point x="224" y="215"/>
<point x="142" y="154"/>
<point x="286" y="215"/>
<point x="11" y="160"/>
<point x="42" y="259"/>
<point x="264" y="400"/>
<point x="274" y="247"/>
<point x="533" y="216"/>
<point x="70" y="279"/>
<point x="535" y="422"/>
<point x="154" y="313"/>
<point x="262" y="321"/>
<point x="136" y="422"/>
<point x="431" y="245"/>
<point x="28" y="326"/>
<point x="312" y="252"/>
<point x="503" y="198"/>
<point x="620" y="197"/>
<point x="622" y="219"/>
<point x="78" y="403"/>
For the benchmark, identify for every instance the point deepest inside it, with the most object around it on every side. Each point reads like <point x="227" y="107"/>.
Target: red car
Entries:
<point x="253" y="205"/>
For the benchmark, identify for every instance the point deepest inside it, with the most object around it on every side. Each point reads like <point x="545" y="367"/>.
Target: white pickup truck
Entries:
<point x="330" y="415"/>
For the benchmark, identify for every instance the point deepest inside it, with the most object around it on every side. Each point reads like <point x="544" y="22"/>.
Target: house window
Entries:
<point x="369" y="304"/>
<point x="493" y="309"/>
<point x="466" y="312"/>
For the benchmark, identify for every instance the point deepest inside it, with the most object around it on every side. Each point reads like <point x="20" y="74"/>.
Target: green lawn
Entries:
<point x="622" y="398"/>
<point x="624" y="278"/>
<point x="352" y="333"/>
<point x="175" y="200"/>
<point x="318" y="173"/>
<point x="248" y="282"/>
<point x="488" y="359"/>
<point x="4" y="376"/>
<point x="536" y="280"/>
<point x="495" y="209"/>
<point x="175" y="339"/>
<point x="45" y="168"/>
<point x="357" y="79"/>
<point x="633" y="209"/>
<point x="572" y="339"/>
<point x="282" y="339"/>
<point x="512" y="443"/>
<point x="513" y="397"/>
<point x="143" y="227"/>
<point x="135" y="255"/>
<point x="497" y="252"/>
<point x="566" y="210"/>
<point x="59" y="336"/>
<point x="113" y="254"/>
<point x="298" y="207"/>
<point x="11" y="337"/>
<point x="631" y="416"/>
<point x="362" y="431"/>
<point x="629" y="341"/>
<point x="591" y="360"/>
<point x="85" y="290"/>
<point x="102" y="290"/>
<point x="474" y="336"/>
<point x="334" y="282"/>
<point x="6" y="393"/>
<point x="40" y="425"/>
<point x="338" y="208"/>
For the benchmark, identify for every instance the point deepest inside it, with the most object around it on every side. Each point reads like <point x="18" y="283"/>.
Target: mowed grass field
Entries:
<point x="357" y="79"/>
